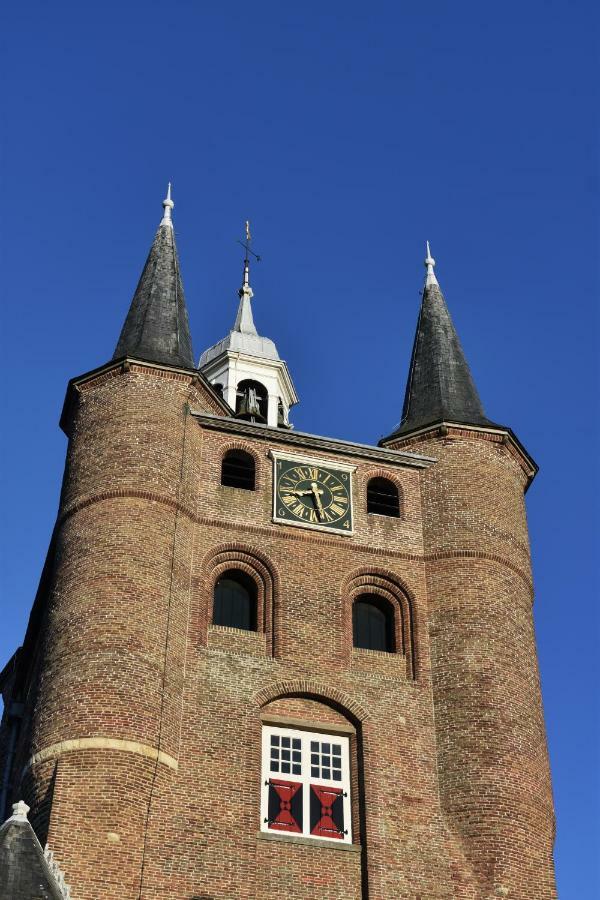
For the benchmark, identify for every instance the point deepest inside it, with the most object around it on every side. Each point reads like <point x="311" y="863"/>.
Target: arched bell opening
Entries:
<point x="251" y="401"/>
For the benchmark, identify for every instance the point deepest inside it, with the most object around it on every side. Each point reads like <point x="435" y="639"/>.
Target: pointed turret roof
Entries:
<point x="157" y="328"/>
<point x="440" y="387"/>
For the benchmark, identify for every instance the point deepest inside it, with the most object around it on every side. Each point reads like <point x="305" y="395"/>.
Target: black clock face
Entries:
<point x="312" y="494"/>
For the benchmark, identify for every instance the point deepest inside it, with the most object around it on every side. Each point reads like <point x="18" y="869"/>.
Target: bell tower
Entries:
<point x="246" y="368"/>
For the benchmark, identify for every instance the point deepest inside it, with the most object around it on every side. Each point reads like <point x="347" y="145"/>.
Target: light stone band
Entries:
<point x="101" y="743"/>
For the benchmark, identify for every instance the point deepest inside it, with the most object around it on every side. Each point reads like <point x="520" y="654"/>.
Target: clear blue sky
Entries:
<point x="348" y="133"/>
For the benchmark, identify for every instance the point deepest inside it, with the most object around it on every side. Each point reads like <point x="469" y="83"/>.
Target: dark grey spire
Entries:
<point x="440" y="387"/>
<point x="157" y="327"/>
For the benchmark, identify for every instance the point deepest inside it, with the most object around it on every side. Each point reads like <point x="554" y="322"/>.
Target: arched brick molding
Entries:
<point x="314" y="690"/>
<point x="365" y="477"/>
<point x="254" y="564"/>
<point x="393" y="590"/>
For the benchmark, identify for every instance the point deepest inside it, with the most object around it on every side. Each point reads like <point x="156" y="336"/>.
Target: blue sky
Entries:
<point x="349" y="134"/>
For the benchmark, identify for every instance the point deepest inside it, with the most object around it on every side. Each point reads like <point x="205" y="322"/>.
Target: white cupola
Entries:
<point x="247" y="369"/>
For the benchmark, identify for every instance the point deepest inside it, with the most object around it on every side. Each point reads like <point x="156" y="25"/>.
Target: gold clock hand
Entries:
<point x="317" y="491"/>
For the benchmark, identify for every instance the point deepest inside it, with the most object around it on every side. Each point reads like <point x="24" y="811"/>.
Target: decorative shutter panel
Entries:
<point x="285" y="806"/>
<point x="327" y="811"/>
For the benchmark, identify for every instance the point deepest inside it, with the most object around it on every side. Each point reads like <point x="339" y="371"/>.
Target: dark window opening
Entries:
<point x="251" y="401"/>
<point x="373" y="624"/>
<point x="235" y="601"/>
<point x="383" y="497"/>
<point x="238" y="470"/>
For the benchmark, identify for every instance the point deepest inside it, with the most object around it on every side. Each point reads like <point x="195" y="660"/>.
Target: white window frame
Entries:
<point x="305" y="779"/>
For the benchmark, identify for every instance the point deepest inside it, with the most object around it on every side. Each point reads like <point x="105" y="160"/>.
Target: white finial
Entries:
<point x="429" y="264"/>
<point x="20" y="811"/>
<point x="167" y="206"/>
<point x="245" y="288"/>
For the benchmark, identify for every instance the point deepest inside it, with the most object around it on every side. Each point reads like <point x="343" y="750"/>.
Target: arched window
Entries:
<point x="234" y="602"/>
<point x="251" y="401"/>
<point x="238" y="470"/>
<point x="373" y="623"/>
<point x="383" y="497"/>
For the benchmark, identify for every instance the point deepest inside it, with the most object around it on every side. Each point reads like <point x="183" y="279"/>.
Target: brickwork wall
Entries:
<point x="494" y="774"/>
<point x="144" y="761"/>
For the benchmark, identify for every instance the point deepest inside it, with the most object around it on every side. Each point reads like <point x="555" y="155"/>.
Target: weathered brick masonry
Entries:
<point x="139" y="750"/>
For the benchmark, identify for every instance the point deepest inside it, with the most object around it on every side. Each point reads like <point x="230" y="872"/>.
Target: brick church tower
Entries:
<point x="264" y="663"/>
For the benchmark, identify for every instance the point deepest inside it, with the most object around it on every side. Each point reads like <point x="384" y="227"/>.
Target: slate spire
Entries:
<point x="440" y="387"/>
<point x="157" y="328"/>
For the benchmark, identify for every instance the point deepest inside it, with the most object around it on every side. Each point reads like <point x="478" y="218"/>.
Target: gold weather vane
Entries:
<point x="246" y="245"/>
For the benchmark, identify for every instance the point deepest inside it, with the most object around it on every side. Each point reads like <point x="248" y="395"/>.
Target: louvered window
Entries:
<point x="238" y="470"/>
<point x="383" y="497"/>
<point x="306" y="784"/>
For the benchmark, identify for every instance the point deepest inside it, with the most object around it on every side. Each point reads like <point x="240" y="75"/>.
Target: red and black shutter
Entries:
<point x="326" y="812"/>
<point x="285" y="806"/>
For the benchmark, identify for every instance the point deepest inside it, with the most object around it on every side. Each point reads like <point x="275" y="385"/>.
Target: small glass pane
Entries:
<point x="337" y="776"/>
<point x="274" y="753"/>
<point x="296" y="755"/>
<point x="325" y="748"/>
<point x="336" y="749"/>
<point x="314" y="772"/>
<point x="285" y="754"/>
<point x="296" y="769"/>
<point x="274" y="740"/>
<point x="296" y="743"/>
<point x="314" y="758"/>
<point x="285" y="742"/>
<point x="274" y="766"/>
<point x="326" y="761"/>
<point x="285" y="767"/>
<point x="314" y="746"/>
<point x="326" y="773"/>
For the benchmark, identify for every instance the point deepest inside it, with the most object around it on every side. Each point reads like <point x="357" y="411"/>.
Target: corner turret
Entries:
<point x="157" y="328"/>
<point x="440" y="387"/>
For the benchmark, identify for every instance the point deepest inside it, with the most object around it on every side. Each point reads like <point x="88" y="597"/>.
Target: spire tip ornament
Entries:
<point x="167" y="206"/>
<point x="429" y="265"/>
<point x="245" y="288"/>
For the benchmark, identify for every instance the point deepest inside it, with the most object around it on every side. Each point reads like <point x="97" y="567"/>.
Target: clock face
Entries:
<point x="313" y="494"/>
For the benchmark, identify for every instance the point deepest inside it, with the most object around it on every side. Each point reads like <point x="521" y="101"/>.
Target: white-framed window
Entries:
<point x="305" y="787"/>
